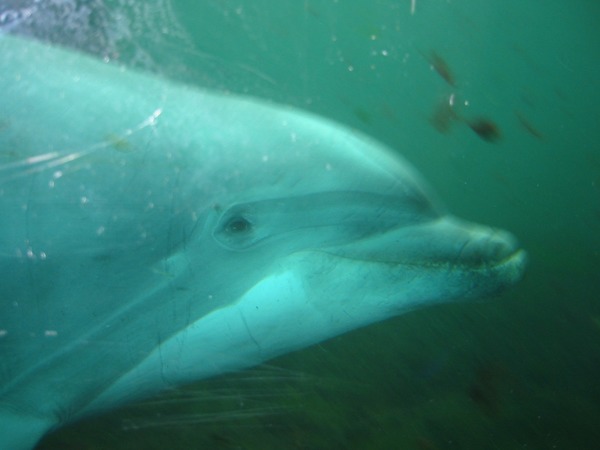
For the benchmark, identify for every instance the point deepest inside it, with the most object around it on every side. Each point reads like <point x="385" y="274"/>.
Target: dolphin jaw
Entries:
<point x="470" y="260"/>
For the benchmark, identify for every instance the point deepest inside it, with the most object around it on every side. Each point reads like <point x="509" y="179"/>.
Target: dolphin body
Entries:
<point x="153" y="234"/>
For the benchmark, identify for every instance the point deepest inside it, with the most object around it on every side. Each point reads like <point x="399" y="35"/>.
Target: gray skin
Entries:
<point x="152" y="234"/>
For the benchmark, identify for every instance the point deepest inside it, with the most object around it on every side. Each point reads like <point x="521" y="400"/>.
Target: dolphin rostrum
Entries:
<point x="153" y="234"/>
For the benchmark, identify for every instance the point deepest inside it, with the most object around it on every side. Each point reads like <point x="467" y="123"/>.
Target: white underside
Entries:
<point x="274" y="317"/>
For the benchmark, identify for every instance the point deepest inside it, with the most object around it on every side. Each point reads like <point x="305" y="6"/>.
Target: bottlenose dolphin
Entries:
<point x="152" y="234"/>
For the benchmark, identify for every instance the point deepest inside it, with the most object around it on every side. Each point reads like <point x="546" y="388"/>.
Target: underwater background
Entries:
<point x="497" y="104"/>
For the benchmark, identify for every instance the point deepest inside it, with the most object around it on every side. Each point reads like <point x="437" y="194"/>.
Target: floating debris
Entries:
<point x="440" y="65"/>
<point x="445" y="115"/>
<point x="528" y="126"/>
<point x="485" y="129"/>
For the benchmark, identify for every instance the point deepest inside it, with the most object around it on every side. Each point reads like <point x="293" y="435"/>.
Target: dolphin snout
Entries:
<point x="488" y="246"/>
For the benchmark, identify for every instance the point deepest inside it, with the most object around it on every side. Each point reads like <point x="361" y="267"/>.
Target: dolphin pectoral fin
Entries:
<point x="20" y="432"/>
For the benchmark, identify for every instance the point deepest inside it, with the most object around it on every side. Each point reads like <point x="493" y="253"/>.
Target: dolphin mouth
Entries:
<point x="446" y="243"/>
<point x="512" y="267"/>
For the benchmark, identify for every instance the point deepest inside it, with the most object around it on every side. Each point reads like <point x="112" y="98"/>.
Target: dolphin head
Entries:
<point x="311" y="230"/>
<point x="153" y="234"/>
<point x="310" y="190"/>
<point x="353" y="224"/>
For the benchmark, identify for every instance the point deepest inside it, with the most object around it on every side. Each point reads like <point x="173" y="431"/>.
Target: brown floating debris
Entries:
<point x="445" y="115"/>
<point x="441" y="67"/>
<point x="485" y="129"/>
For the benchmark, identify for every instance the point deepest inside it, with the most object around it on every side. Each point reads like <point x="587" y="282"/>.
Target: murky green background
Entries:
<point x="517" y="371"/>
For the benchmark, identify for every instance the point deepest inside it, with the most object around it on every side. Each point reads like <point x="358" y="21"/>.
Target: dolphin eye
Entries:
<point x="239" y="229"/>
<point x="238" y="225"/>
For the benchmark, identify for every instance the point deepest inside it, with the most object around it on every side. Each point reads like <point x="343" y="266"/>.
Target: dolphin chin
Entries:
<point x="153" y="234"/>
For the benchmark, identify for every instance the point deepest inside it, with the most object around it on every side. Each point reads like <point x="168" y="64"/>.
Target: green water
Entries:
<point x="517" y="371"/>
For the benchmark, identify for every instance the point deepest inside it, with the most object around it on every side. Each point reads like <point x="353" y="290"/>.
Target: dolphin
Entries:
<point x="153" y="233"/>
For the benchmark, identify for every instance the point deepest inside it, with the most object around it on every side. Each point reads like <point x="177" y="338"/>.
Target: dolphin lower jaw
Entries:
<point x="459" y="258"/>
